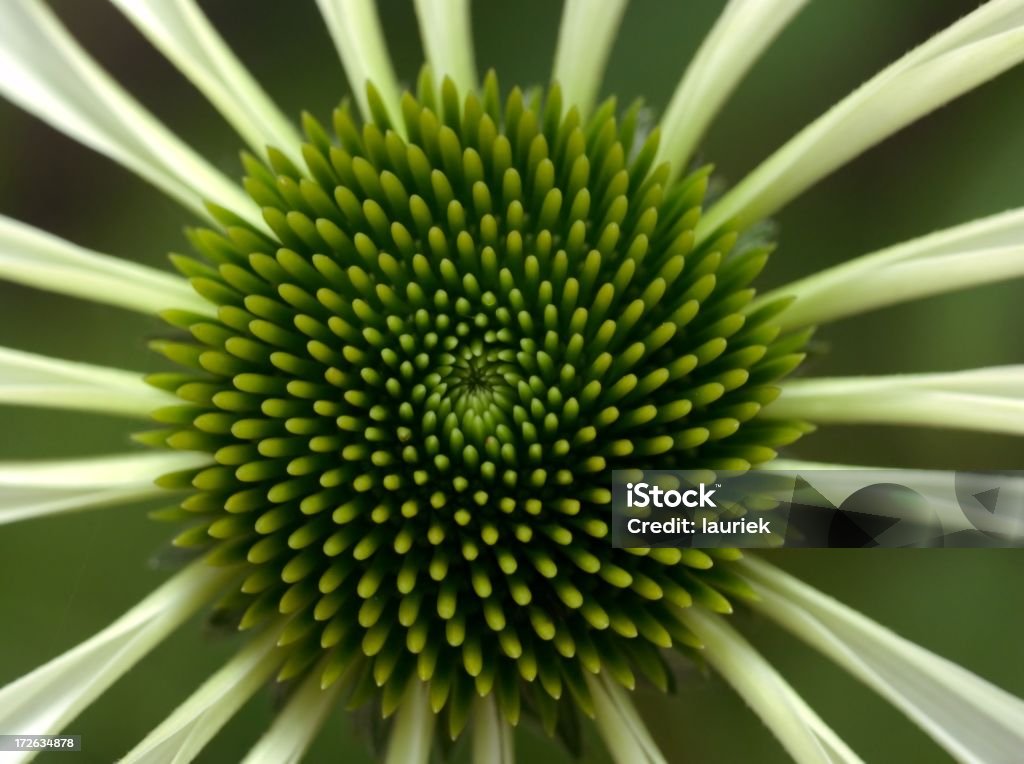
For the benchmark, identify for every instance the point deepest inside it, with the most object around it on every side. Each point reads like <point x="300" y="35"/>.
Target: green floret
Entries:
<point x="417" y="386"/>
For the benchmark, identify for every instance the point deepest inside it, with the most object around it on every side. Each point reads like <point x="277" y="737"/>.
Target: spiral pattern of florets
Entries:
<point x="417" y="385"/>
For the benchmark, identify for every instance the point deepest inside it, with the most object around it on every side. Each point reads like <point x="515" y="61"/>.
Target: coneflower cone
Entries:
<point x="416" y="389"/>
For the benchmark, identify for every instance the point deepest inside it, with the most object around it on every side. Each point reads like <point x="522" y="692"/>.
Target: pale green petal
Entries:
<point x="180" y="737"/>
<point x="974" y="720"/>
<point x="38" y="259"/>
<point x="980" y="252"/>
<point x="27" y="379"/>
<point x="180" y="30"/>
<point x="742" y="33"/>
<point x="295" y="727"/>
<point x="356" y="31"/>
<point x="413" y="731"/>
<point x="620" y="726"/>
<point x="881" y="286"/>
<point x="801" y="731"/>
<point x="987" y="400"/>
<point x="49" y="75"/>
<point x="46" y="700"/>
<point x="972" y="51"/>
<point x="493" y="737"/>
<point x="585" y="38"/>
<point x="44" y="487"/>
<point x="448" y="39"/>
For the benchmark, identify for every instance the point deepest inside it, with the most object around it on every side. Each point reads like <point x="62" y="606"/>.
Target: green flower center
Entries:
<point x="417" y="385"/>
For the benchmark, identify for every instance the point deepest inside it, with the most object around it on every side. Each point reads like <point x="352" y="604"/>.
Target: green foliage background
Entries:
<point x="62" y="579"/>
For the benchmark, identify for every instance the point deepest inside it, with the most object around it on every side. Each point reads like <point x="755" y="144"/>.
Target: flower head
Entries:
<point x="410" y="348"/>
<point x="417" y="384"/>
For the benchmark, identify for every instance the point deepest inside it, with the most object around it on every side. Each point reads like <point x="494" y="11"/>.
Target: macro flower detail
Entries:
<point x="409" y="349"/>
<point x="414" y="389"/>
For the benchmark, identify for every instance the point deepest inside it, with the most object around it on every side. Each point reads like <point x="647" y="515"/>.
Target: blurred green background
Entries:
<point x="62" y="579"/>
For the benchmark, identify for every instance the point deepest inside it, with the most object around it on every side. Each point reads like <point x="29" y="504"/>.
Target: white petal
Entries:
<point x="296" y="725"/>
<point x="413" y="731"/>
<point x="881" y="286"/>
<point x="39" y="488"/>
<point x="448" y="40"/>
<point x="972" y="51"/>
<point x="28" y="379"/>
<point x="619" y="724"/>
<point x="49" y="75"/>
<point x="47" y="699"/>
<point x="980" y="252"/>
<point x="974" y="720"/>
<point x="183" y="734"/>
<point x="741" y="34"/>
<point x="987" y="400"/>
<point x="183" y="34"/>
<point x="357" y="35"/>
<point x="585" y="38"/>
<point x="493" y="737"/>
<point x="39" y="259"/>
<point x="801" y="731"/>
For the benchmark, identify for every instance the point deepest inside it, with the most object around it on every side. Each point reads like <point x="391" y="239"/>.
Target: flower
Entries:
<point x="411" y="346"/>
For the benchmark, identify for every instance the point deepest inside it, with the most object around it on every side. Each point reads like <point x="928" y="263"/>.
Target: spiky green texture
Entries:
<point x="416" y="390"/>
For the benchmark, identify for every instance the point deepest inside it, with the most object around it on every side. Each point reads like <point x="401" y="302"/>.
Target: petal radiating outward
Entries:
<point x="39" y="259"/>
<point x="493" y="737"/>
<point x="980" y="252"/>
<point x="585" y="38"/>
<point x="355" y="29"/>
<point x="988" y="399"/>
<point x="45" y="700"/>
<point x="27" y="379"/>
<point x="49" y="75"/>
<point x="975" y="49"/>
<point x="40" y="488"/>
<point x="741" y="34"/>
<point x="975" y="721"/>
<point x="413" y="733"/>
<point x="294" y="728"/>
<point x="448" y="40"/>
<point x="619" y="724"/>
<point x="801" y="731"/>
<point x="183" y="734"/>
<point x="182" y="32"/>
